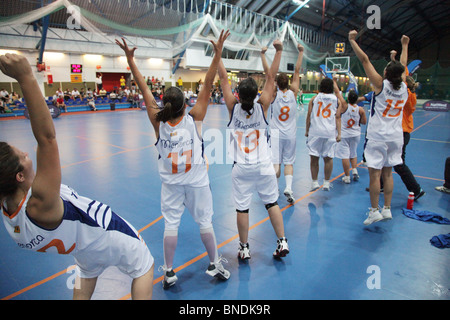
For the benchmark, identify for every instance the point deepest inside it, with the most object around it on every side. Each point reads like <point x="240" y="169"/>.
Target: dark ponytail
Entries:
<point x="173" y="101"/>
<point x="247" y="106"/>
<point x="248" y="90"/>
<point x="394" y="71"/>
<point x="9" y="167"/>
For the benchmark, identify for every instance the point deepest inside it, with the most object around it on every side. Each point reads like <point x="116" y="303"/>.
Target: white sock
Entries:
<point x="209" y="241"/>
<point x="288" y="181"/>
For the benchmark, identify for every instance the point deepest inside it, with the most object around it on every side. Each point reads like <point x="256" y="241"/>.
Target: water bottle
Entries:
<point x="410" y="202"/>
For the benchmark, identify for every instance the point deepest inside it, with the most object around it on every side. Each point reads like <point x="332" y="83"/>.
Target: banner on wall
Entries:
<point x="436" y="105"/>
<point x="76" y="78"/>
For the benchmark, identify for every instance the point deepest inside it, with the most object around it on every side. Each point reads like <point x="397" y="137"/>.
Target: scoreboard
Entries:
<point x="76" y="68"/>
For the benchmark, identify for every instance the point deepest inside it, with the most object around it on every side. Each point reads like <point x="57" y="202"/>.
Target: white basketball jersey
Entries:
<point x="386" y="113"/>
<point x="350" y="122"/>
<point x="284" y="114"/>
<point x="84" y="226"/>
<point x="181" y="159"/>
<point x="323" y="116"/>
<point x="248" y="136"/>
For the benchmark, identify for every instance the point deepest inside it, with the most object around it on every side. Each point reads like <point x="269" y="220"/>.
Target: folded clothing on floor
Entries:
<point x="441" y="241"/>
<point x="424" y="215"/>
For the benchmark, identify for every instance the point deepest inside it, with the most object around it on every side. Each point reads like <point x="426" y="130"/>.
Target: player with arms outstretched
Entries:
<point x="182" y="166"/>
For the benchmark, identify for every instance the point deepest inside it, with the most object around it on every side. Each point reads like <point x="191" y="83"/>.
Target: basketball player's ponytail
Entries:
<point x="173" y="101"/>
<point x="9" y="167"/>
<point x="394" y="71"/>
<point x="247" y="106"/>
<point x="165" y="114"/>
<point x="248" y="90"/>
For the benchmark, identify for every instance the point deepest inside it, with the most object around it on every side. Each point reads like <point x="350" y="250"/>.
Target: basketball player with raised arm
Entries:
<point x="352" y="116"/>
<point x="181" y="163"/>
<point x="283" y="123"/>
<point x="250" y="151"/>
<point x="384" y="131"/>
<point x="44" y="215"/>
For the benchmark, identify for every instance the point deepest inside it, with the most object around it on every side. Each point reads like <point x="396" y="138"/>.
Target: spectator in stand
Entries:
<point x="122" y="82"/>
<point x="163" y="85"/>
<point x="60" y="103"/>
<point x="102" y="93"/>
<point x="75" y="94"/>
<point x="4" y="95"/>
<point x="90" y="97"/>
<point x="99" y="82"/>
<point x="179" y="83"/>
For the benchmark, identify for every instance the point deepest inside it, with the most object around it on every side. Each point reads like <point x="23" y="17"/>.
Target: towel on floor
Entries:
<point x="441" y="241"/>
<point x="425" y="216"/>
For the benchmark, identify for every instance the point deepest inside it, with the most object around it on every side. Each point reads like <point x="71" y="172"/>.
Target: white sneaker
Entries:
<point x="326" y="185"/>
<point x="289" y="195"/>
<point x="244" y="251"/>
<point x="346" y="179"/>
<point x="169" y="277"/>
<point x="373" y="216"/>
<point x="355" y="175"/>
<point x="315" y="185"/>
<point x="282" y="248"/>
<point x="386" y="213"/>
<point x="217" y="270"/>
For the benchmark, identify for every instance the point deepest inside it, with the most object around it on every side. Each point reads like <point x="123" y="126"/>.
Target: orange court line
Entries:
<point x="425" y="123"/>
<point x="15" y="294"/>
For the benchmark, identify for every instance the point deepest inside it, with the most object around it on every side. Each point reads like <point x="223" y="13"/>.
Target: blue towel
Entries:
<point x="441" y="241"/>
<point x="425" y="216"/>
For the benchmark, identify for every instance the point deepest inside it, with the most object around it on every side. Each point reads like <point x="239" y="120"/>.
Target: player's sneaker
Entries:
<point x="346" y="179"/>
<point x="217" y="270"/>
<point x="419" y="195"/>
<point x="282" y="248"/>
<point x="315" y="185"/>
<point x="442" y="189"/>
<point x="355" y="175"/>
<point x="244" y="251"/>
<point x="373" y="216"/>
<point x="289" y="195"/>
<point x="386" y="213"/>
<point x="169" y="277"/>
<point x="326" y="185"/>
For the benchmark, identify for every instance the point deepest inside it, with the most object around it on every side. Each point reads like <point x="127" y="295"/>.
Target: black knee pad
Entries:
<point x="242" y="211"/>
<point x="270" y="205"/>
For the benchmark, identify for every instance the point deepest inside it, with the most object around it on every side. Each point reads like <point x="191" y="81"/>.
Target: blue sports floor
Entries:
<point x="110" y="156"/>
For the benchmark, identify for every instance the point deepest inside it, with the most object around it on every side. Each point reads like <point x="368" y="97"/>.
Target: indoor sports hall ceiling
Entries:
<point x="426" y="22"/>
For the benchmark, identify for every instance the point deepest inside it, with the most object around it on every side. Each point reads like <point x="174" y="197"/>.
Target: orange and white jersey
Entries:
<point x="284" y="114"/>
<point x="323" y="116"/>
<point x="248" y="136"/>
<point x="181" y="160"/>
<point x="84" y="225"/>
<point x="350" y="122"/>
<point x="386" y="113"/>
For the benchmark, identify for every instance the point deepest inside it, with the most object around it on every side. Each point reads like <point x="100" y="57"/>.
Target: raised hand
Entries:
<point x="128" y="52"/>
<point x="300" y="48"/>
<point x="263" y="50"/>
<point x="278" y="45"/>
<point x="405" y="40"/>
<point x="15" y="66"/>
<point x="352" y="35"/>
<point x="218" y="46"/>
